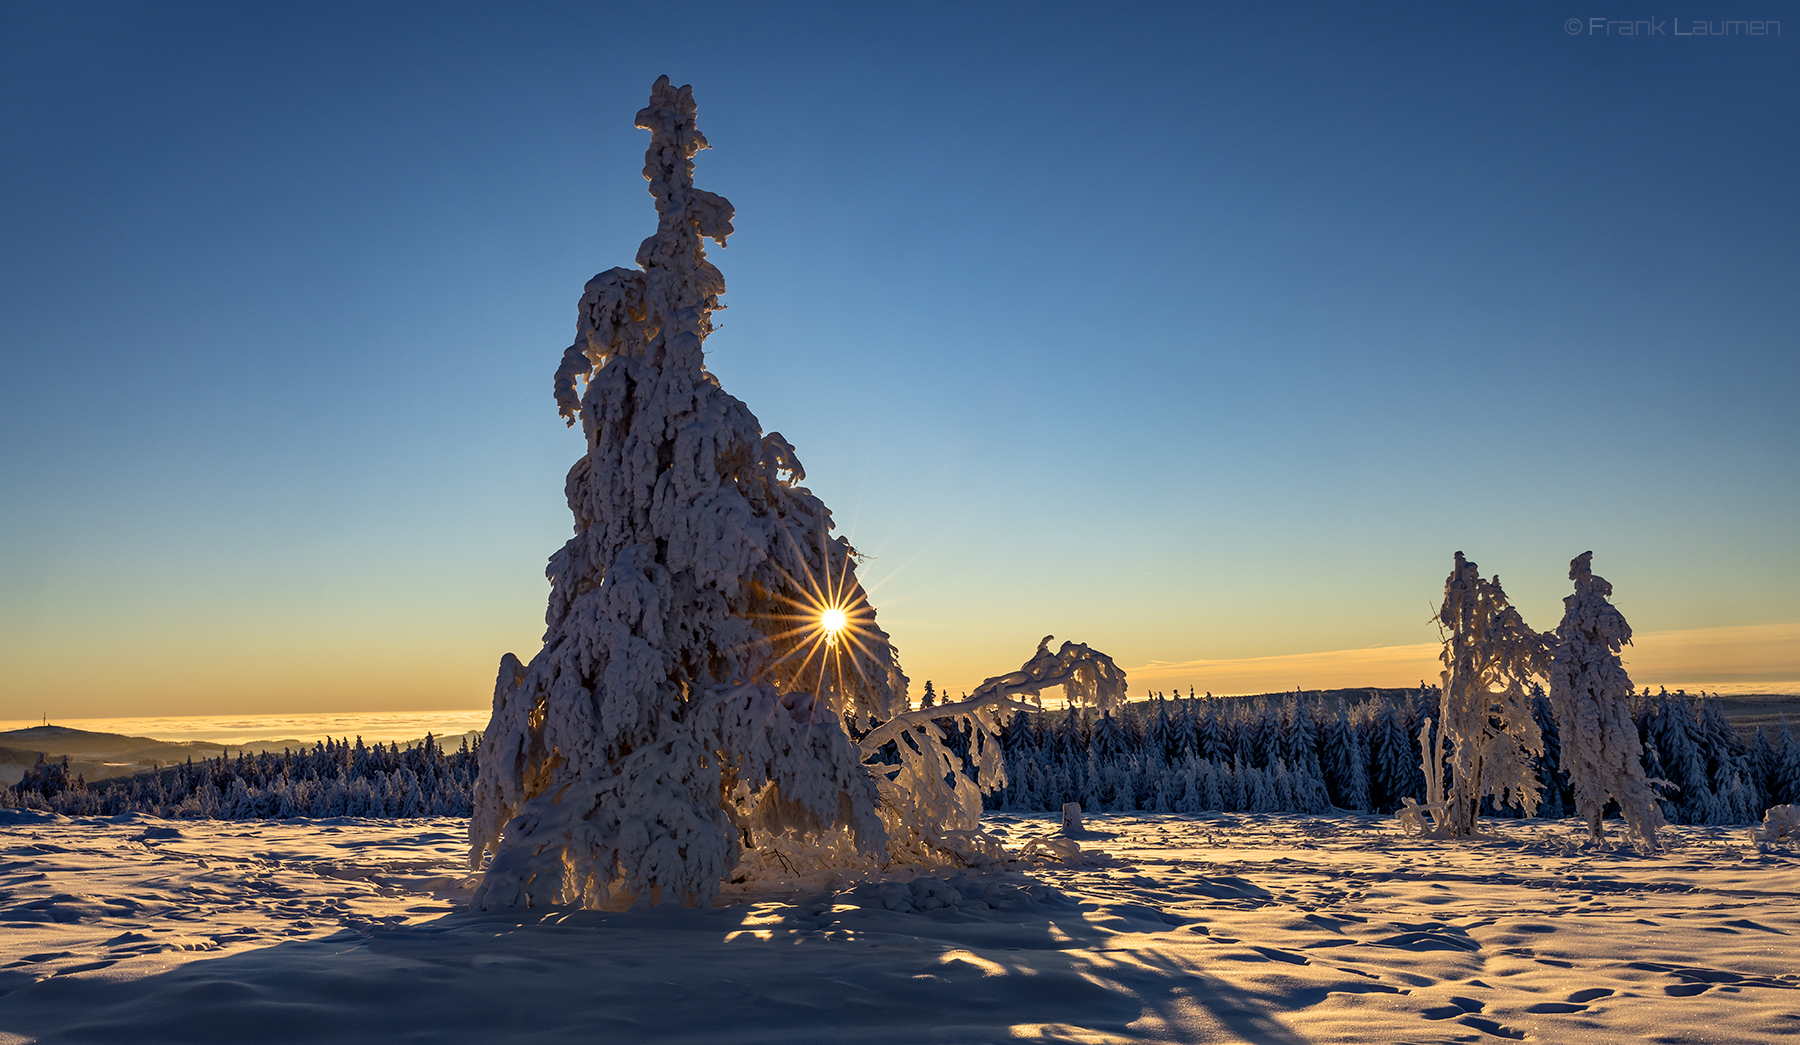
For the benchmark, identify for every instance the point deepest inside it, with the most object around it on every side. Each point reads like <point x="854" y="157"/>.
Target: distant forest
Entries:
<point x="1300" y="753"/>
<point x="333" y="778"/>
<point x="1358" y="750"/>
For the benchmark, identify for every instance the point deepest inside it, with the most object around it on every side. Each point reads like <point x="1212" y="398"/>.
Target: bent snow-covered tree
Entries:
<point x="914" y="792"/>
<point x="709" y="650"/>
<point x="1591" y="694"/>
<point x="1485" y="727"/>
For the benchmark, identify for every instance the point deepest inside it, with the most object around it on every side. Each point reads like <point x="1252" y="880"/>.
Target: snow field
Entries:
<point x="1276" y="928"/>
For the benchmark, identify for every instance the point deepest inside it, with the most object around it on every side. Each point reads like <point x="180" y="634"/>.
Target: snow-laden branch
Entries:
<point x="932" y="805"/>
<point x="1089" y="679"/>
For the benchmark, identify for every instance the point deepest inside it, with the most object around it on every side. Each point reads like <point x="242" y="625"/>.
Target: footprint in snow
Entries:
<point x="1577" y="1002"/>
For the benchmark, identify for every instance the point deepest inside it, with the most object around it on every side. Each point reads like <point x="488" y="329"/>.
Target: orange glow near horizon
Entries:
<point x="1739" y="659"/>
<point x="371" y="669"/>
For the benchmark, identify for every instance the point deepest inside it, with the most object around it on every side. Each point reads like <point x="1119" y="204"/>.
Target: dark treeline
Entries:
<point x="1299" y="753"/>
<point x="333" y="778"/>
<point x="1305" y="754"/>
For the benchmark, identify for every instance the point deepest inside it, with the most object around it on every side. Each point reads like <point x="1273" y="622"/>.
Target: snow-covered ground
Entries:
<point x="1262" y="928"/>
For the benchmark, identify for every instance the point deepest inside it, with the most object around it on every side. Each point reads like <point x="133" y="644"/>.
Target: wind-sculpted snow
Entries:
<point x="1283" y="929"/>
<point x="1592" y="695"/>
<point x="1780" y="823"/>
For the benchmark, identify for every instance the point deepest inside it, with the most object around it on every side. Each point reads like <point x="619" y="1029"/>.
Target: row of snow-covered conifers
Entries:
<point x="1358" y="751"/>
<point x="332" y="778"/>
<point x="1299" y="753"/>
<point x="1525" y="722"/>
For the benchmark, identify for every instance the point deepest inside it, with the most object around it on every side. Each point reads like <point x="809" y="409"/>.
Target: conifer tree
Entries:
<point x="1555" y="803"/>
<point x="1725" y="753"/>
<point x="710" y="650"/>
<point x="1760" y="762"/>
<point x="1485" y="731"/>
<point x="1591" y="693"/>
<point x="1160" y="738"/>
<point x="1786" y="787"/>
<point x="1107" y="740"/>
<point x="1671" y="731"/>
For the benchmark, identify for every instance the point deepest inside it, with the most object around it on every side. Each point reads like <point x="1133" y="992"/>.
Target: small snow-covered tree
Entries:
<point x="1393" y="767"/>
<point x="1726" y="758"/>
<point x="1346" y="761"/>
<point x="1760" y="762"/>
<point x="1107" y="740"/>
<point x="1490" y="658"/>
<point x="1550" y="773"/>
<point x="1786" y="789"/>
<point x="1208" y="736"/>
<point x="710" y="653"/>
<point x="1670" y="732"/>
<point x="1600" y="748"/>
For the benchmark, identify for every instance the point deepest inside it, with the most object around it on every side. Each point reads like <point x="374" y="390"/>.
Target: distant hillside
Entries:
<point x="98" y="756"/>
<point x="1748" y="712"/>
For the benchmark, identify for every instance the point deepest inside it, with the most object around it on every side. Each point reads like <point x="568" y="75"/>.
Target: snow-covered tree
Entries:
<point x="710" y="652"/>
<point x="1671" y="731"/>
<point x="692" y="689"/>
<point x="1160" y="738"/>
<point x="1490" y="658"/>
<point x="1550" y="774"/>
<point x="1393" y="766"/>
<point x="1346" y="762"/>
<point x="1786" y="788"/>
<point x="1107" y="740"/>
<point x="1761" y="764"/>
<point x="1209" y="738"/>
<point x="1600" y="748"/>
<point x="1726" y="758"/>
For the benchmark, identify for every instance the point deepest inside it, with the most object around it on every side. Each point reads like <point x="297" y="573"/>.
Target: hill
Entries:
<point x="98" y="756"/>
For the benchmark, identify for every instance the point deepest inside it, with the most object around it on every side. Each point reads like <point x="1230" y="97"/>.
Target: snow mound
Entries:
<point x="922" y="895"/>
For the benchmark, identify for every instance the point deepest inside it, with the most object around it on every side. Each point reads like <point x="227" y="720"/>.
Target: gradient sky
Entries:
<point x="1194" y="334"/>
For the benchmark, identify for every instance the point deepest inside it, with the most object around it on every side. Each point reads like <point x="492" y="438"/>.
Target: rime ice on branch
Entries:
<point x="934" y="803"/>
<point x="1592" y="696"/>
<point x="709" y="651"/>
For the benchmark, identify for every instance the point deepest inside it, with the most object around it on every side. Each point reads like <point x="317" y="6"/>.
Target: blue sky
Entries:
<point x="1189" y="333"/>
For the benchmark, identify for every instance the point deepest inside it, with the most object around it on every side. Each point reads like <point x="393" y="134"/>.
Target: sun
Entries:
<point x="821" y="628"/>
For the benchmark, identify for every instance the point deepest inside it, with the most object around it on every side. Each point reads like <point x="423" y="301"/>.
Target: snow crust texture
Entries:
<point x="1260" y="928"/>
